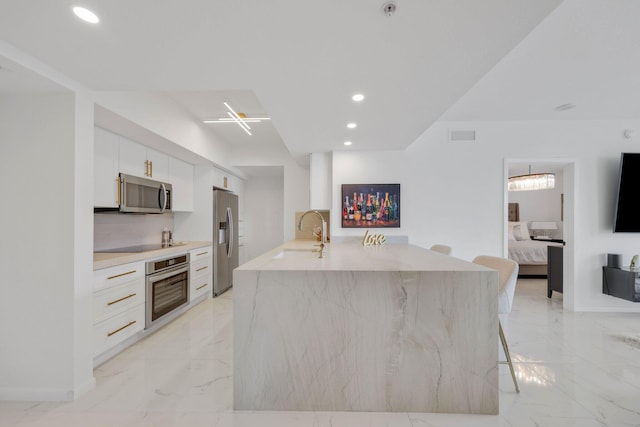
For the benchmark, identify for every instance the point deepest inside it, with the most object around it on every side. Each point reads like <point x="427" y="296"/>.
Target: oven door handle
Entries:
<point x="167" y="273"/>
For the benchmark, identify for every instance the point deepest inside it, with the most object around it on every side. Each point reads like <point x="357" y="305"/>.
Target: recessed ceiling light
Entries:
<point x="358" y="97"/>
<point x="347" y="143"/>
<point x="565" y="107"/>
<point x="352" y="125"/>
<point x="86" y="15"/>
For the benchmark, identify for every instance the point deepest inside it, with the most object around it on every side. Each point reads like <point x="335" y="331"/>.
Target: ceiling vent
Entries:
<point x="456" y="135"/>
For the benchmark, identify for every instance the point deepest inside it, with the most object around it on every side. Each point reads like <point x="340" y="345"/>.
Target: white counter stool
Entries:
<point x="508" y="276"/>
<point x="444" y="249"/>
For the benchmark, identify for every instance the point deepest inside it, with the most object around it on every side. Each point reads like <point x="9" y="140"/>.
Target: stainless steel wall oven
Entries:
<point x="167" y="286"/>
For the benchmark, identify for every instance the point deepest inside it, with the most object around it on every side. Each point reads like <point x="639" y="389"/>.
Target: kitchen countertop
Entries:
<point x="297" y="255"/>
<point x="108" y="259"/>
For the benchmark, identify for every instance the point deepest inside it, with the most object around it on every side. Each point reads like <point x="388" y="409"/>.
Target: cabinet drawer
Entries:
<point x="200" y="253"/>
<point x="118" y="275"/>
<point x="199" y="286"/>
<point x="201" y="267"/>
<point x="118" y="299"/>
<point x="118" y="328"/>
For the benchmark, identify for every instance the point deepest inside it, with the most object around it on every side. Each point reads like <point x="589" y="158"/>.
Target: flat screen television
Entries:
<point x="627" y="215"/>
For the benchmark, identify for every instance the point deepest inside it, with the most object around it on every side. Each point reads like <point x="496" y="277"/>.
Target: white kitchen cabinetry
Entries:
<point x="105" y="168"/>
<point x="221" y="179"/>
<point x="181" y="178"/>
<point x="200" y="274"/>
<point x="139" y="160"/>
<point x="158" y="165"/>
<point x="118" y="305"/>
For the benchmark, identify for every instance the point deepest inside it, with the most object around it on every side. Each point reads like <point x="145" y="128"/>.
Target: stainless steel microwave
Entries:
<point x="143" y="195"/>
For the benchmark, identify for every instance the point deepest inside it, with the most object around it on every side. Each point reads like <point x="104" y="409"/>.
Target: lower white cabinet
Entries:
<point x="119" y="297"/>
<point x="200" y="274"/>
<point x="118" y="305"/>
<point x="116" y="329"/>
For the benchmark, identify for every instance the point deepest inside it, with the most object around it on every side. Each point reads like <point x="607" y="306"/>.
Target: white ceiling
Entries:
<point x="300" y="62"/>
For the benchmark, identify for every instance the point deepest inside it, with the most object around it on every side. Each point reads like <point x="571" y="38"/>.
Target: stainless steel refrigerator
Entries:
<point x="225" y="239"/>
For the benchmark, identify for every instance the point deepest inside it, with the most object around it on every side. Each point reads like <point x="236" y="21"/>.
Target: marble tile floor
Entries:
<point x="574" y="369"/>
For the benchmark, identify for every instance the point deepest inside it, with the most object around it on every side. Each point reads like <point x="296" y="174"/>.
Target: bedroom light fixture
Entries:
<point x="529" y="182"/>
<point x="543" y="229"/>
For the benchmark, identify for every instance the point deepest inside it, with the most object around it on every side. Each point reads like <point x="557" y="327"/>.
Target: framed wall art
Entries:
<point x="370" y="205"/>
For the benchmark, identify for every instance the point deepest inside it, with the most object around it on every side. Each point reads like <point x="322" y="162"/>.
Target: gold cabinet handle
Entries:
<point x="201" y="268"/>
<point x="121" y="299"/>
<point x="119" y="191"/>
<point x="121" y="274"/>
<point x="151" y="169"/>
<point x="202" y="253"/>
<point x="200" y="287"/>
<point x="121" y="328"/>
<point x="146" y="168"/>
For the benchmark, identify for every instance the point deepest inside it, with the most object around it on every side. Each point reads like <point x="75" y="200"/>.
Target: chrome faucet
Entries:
<point x="323" y="231"/>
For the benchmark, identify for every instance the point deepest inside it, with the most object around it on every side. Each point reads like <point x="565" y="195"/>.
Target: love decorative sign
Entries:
<point x="373" y="239"/>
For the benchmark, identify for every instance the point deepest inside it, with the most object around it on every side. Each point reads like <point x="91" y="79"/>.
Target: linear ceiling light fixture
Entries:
<point x="238" y="119"/>
<point x="231" y="120"/>
<point x="532" y="181"/>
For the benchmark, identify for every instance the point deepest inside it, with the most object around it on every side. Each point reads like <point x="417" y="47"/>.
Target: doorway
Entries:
<point x="548" y="218"/>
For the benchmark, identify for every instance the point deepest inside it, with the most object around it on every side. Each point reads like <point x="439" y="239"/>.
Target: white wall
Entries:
<point x="46" y="144"/>
<point x="296" y="181"/>
<point x="114" y="230"/>
<point x="320" y="181"/>
<point x="264" y="210"/>
<point x="454" y="193"/>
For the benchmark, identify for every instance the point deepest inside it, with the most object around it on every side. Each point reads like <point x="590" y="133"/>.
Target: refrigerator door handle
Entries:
<point x="230" y="228"/>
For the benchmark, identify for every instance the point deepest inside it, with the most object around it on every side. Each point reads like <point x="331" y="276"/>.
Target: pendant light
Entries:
<point x="532" y="181"/>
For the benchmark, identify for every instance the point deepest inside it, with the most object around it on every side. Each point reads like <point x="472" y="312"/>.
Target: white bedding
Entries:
<point x="527" y="252"/>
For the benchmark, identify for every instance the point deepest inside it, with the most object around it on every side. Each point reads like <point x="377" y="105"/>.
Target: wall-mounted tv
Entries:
<point x="627" y="215"/>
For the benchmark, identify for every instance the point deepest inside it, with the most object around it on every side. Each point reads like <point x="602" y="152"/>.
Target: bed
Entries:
<point x="531" y="255"/>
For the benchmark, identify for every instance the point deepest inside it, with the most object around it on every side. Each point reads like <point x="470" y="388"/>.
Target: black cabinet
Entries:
<point x="554" y="269"/>
<point x="621" y="283"/>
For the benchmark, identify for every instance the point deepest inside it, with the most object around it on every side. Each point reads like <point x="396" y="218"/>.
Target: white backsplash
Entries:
<point x="113" y="230"/>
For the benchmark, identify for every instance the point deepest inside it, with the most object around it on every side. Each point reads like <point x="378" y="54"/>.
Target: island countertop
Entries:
<point x="390" y="328"/>
<point x="297" y="255"/>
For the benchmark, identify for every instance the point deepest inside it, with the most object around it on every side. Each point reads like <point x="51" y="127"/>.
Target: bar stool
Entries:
<point x="444" y="249"/>
<point x="508" y="276"/>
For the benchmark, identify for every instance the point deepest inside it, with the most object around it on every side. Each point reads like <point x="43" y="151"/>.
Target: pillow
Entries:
<point x="519" y="230"/>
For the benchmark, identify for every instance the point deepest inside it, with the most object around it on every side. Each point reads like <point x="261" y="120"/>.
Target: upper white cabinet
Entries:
<point x="158" y="165"/>
<point x="181" y="178"/>
<point x="220" y="178"/>
<point x="139" y="160"/>
<point x="105" y="168"/>
<point x="226" y="180"/>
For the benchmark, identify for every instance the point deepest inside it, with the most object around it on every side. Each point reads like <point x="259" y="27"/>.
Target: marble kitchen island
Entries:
<point x="391" y="328"/>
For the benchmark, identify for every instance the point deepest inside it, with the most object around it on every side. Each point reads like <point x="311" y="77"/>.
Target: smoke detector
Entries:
<point x="389" y="8"/>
